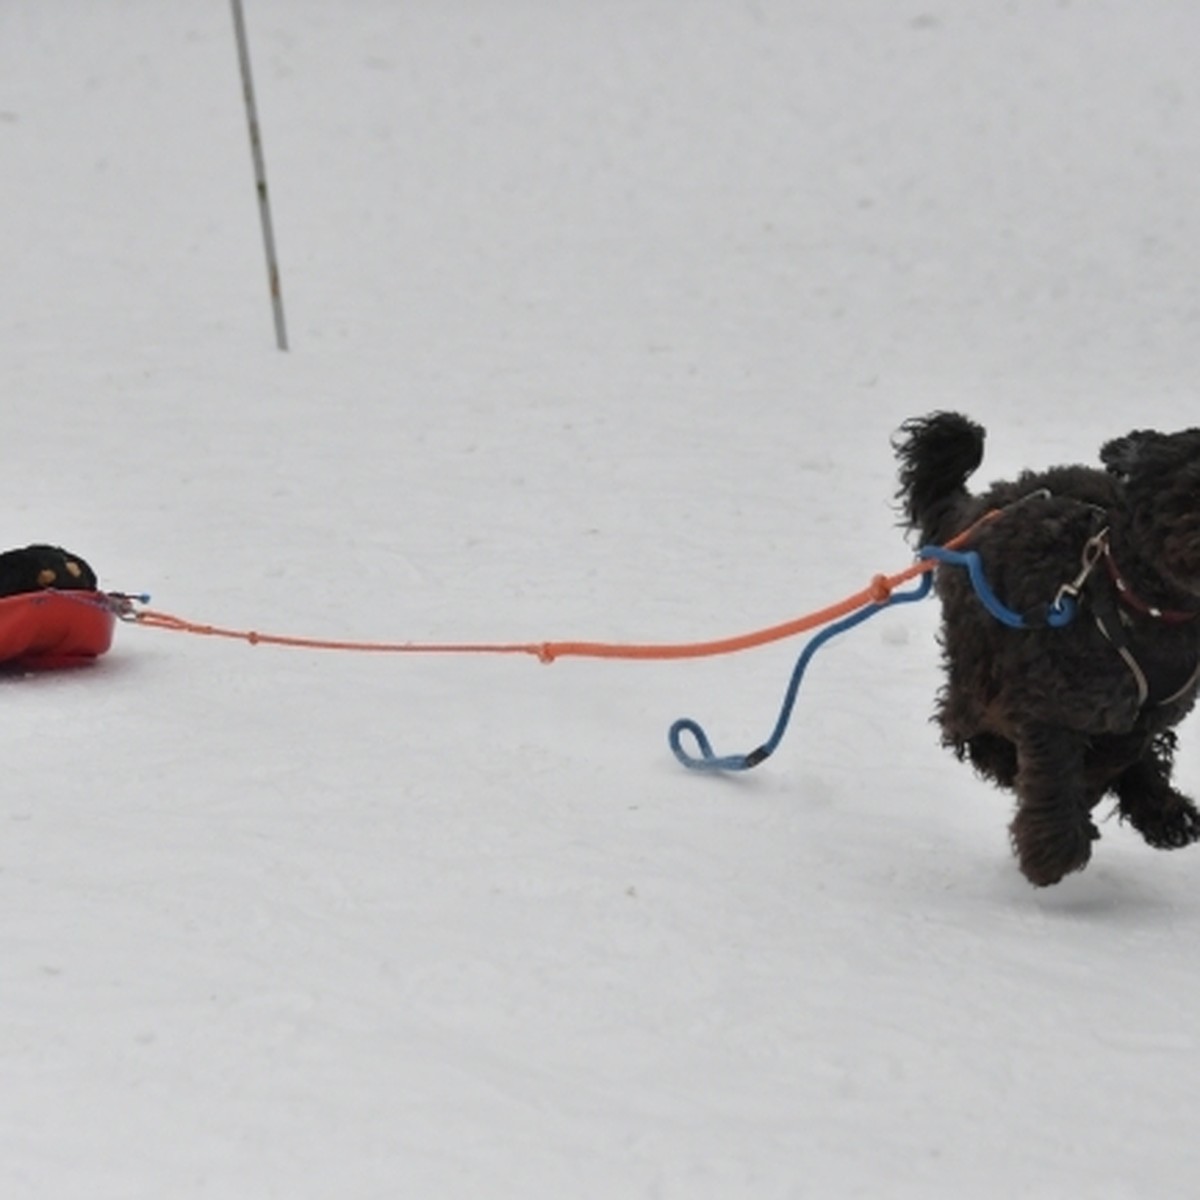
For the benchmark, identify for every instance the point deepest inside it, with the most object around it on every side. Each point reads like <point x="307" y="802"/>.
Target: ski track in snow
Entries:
<point x="602" y="317"/>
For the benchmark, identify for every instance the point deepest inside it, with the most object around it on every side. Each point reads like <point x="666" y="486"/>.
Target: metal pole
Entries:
<point x="260" y="176"/>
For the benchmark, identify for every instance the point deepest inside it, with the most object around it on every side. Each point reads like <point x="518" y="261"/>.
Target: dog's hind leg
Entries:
<point x="993" y="756"/>
<point x="1052" y="833"/>
<point x="968" y="730"/>
<point x="1145" y="798"/>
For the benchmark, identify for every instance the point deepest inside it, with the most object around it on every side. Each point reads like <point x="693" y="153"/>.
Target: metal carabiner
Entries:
<point x="1093" y="550"/>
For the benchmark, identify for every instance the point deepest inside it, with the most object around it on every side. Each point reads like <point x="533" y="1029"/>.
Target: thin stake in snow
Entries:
<point x="260" y="175"/>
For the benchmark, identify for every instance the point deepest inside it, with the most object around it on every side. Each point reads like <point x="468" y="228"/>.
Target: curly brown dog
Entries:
<point x="1065" y="715"/>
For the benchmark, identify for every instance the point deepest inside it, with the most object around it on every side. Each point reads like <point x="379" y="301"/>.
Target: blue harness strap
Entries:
<point x="1057" y="614"/>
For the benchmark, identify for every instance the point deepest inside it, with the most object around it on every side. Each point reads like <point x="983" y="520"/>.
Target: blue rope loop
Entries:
<point x="1061" y="611"/>
<point x="708" y="760"/>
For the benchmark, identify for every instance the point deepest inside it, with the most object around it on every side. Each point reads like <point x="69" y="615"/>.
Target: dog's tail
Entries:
<point x="937" y="454"/>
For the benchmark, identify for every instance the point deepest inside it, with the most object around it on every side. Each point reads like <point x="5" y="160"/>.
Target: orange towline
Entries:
<point x="876" y="592"/>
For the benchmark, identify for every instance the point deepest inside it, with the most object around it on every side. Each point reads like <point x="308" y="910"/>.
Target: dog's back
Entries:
<point x="939" y="453"/>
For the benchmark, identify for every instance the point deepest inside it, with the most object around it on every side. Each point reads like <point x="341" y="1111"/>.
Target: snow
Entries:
<point x="602" y="317"/>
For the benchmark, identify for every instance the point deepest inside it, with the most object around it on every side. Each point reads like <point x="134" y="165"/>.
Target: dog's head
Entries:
<point x="1160" y="477"/>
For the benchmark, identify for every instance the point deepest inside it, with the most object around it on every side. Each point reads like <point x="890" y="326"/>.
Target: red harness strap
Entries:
<point x="1170" y="616"/>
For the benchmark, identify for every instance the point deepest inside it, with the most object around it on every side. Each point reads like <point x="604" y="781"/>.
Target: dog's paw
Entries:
<point x="35" y="568"/>
<point x="1051" y="845"/>
<point x="1170" y="827"/>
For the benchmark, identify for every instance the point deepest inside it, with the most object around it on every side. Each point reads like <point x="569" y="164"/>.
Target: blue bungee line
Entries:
<point x="1057" y="614"/>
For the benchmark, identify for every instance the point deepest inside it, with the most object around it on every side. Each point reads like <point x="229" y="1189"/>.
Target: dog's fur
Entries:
<point x="1056" y="713"/>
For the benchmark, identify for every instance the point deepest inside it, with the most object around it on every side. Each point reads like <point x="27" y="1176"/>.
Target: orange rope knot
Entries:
<point x="880" y="589"/>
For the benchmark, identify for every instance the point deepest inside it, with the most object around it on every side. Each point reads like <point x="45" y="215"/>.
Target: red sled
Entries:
<point x="49" y="629"/>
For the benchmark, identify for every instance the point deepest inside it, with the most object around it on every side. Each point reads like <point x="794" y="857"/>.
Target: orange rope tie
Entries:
<point x="878" y="591"/>
<point x="161" y="620"/>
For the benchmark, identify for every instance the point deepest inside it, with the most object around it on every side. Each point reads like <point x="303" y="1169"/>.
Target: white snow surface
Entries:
<point x="602" y="316"/>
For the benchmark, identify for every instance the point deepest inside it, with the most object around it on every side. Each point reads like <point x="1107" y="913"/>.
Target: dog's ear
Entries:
<point x="1122" y="455"/>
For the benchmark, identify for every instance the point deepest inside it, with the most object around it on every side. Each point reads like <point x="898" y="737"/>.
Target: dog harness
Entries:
<point x="1155" y="673"/>
<point x="1159" y="674"/>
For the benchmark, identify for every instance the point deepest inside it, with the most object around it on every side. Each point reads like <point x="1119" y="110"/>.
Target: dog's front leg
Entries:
<point x="1166" y="818"/>
<point x="1052" y="833"/>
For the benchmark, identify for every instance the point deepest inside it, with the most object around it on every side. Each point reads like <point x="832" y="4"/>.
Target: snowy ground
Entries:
<point x="602" y="316"/>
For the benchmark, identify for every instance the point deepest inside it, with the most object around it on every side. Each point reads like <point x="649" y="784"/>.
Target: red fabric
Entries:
<point x="54" y="629"/>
